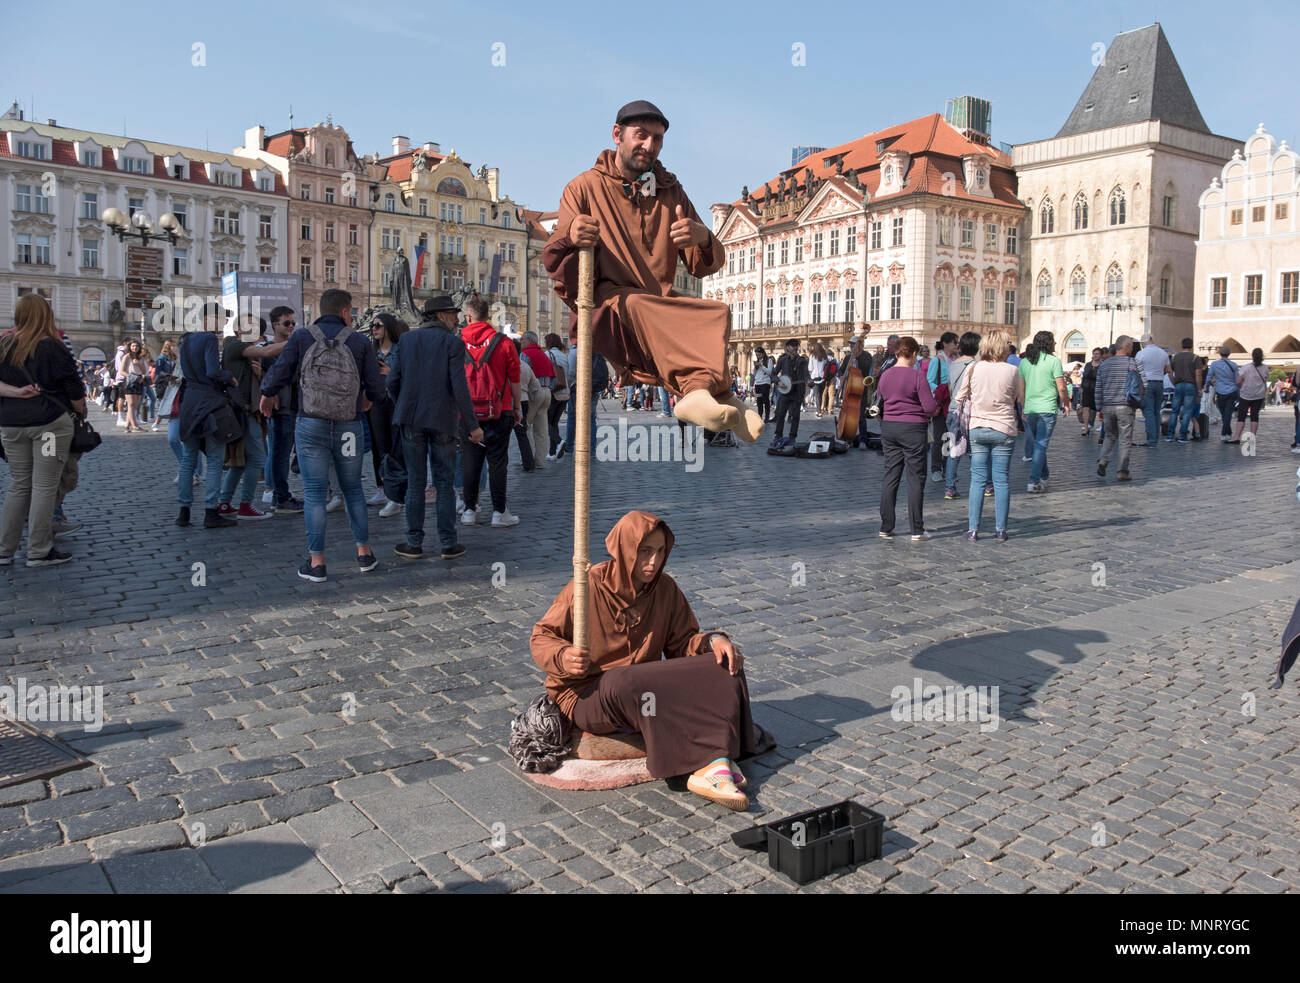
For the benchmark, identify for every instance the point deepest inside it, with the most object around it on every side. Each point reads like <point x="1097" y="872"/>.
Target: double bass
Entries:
<point x="856" y="386"/>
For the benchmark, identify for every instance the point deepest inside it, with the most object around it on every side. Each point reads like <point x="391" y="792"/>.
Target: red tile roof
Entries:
<point x="399" y="165"/>
<point x="285" y="143"/>
<point x="936" y="148"/>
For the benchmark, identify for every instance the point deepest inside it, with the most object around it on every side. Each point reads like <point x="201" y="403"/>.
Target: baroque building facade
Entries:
<point x="912" y="230"/>
<point x="1111" y="244"/>
<point x="1247" y="282"/>
<point x="57" y="181"/>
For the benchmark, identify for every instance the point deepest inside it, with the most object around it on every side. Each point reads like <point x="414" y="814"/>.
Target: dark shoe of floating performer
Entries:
<point x="648" y="668"/>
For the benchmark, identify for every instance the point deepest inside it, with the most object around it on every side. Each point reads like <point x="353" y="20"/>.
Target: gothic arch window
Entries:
<point x="1080" y="211"/>
<point x="1075" y="341"/>
<point x="1046" y="218"/>
<point x="1078" y="288"/>
<point x="1114" y="283"/>
<point x="1044" y="289"/>
<point x="1166" y="286"/>
<point x="1118" y="207"/>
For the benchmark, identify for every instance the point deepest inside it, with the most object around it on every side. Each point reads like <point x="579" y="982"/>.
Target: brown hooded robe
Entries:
<point x="649" y="332"/>
<point x="700" y="711"/>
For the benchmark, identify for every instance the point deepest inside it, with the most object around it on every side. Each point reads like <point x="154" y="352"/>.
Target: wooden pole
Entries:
<point x="581" y="396"/>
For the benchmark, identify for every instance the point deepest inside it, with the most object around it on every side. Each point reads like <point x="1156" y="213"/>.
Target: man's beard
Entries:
<point x="629" y="162"/>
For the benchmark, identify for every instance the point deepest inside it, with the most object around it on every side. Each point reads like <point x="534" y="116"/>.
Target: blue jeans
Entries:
<point x="185" y="482"/>
<point x="989" y="446"/>
<point x="279" y="439"/>
<point x="950" y="465"/>
<point x="1152" y="400"/>
<point x="421" y="447"/>
<point x="254" y="462"/>
<point x="570" y="443"/>
<point x="1186" y="404"/>
<point x="1038" y="432"/>
<point x="320" y="444"/>
<point x="178" y="448"/>
<point x="664" y="397"/>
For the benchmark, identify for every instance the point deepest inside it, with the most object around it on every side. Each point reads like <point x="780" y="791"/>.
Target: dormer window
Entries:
<point x="90" y="158"/>
<point x="178" y="167"/>
<point x="33" y="150"/>
<point x="265" y="183"/>
<point x="227" y="179"/>
<point x="135" y="165"/>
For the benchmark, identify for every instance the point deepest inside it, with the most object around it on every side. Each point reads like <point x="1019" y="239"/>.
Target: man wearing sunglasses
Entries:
<point x="280" y="425"/>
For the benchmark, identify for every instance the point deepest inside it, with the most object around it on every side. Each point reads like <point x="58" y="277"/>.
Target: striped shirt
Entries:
<point x="1111" y="375"/>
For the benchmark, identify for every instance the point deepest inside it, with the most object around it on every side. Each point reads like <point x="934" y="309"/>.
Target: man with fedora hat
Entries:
<point x="641" y="222"/>
<point x="432" y="408"/>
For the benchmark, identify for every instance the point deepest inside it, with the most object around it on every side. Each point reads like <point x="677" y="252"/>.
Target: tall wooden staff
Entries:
<point x="582" y="447"/>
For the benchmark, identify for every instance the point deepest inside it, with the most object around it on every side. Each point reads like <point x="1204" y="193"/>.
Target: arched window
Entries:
<point x="1118" y="207"/>
<point x="1114" y="283"/>
<point x="1166" y="286"/>
<point x="329" y="156"/>
<point x="450" y="186"/>
<point x="1078" y="288"/>
<point x="1080" y="211"/>
<point x="390" y="203"/>
<point x="1046" y="219"/>
<point x="1044" y="289"/>
<point x="1074" y="341"/>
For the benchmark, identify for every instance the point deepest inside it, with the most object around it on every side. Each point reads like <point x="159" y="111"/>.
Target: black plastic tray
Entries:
<point x="833" y="836"/>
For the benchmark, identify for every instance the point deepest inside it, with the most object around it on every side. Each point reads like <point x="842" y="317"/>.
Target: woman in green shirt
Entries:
<point x="1045" y="397"/>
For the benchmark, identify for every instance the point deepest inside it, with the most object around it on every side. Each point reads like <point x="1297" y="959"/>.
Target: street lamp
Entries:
<point x="1112" y="305"/>
<point x="140" y="226"/>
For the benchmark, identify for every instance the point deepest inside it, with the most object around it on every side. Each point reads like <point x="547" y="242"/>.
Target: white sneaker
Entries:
<point x="268" y="497"/>
<point x="551" y="458"/>
<point x="334" y="504"/>
<point x="936" y="476"/>
<point x="392" y="508"/>
<point x="502" y="519"/>
<point x="1224" y="440"/>
<point x="154" y="428"/>
<point x="121" y="422"/>
<point x="468" y="516"/>
<point x="378" y="498"/>
<point x="460" y="503"/>
<point x="1033" y="487"/>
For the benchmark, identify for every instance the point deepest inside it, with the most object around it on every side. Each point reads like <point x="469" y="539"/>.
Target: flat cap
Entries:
<point x="439" y="303"/>
<point x="638" y="110"/>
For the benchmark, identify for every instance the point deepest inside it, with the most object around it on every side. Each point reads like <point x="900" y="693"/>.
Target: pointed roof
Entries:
<point x="1138" y="79"/>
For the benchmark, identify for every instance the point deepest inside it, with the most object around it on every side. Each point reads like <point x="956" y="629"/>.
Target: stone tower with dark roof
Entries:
<point x="1137" y="80"/>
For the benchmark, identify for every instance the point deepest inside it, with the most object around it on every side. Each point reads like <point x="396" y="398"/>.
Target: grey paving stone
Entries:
<point x="165" y="872"/>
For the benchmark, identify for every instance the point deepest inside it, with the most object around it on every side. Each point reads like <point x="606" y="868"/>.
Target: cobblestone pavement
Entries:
<point x="1138" y="747"/>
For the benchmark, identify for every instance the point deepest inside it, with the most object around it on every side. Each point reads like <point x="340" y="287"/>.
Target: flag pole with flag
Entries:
<point x="418" y="276"/>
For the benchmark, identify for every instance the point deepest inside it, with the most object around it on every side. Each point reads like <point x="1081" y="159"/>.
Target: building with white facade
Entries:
<point x="913" y="230"/>
<point x="1111" y="242"/>
<point x="1247" y="281"/>
<point x="57" y="181"/>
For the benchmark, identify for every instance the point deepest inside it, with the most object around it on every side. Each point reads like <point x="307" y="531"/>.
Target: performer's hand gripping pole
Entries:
<point x="582" y="447"/>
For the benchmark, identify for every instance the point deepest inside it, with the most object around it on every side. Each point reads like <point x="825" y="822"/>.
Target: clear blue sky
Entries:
<point x="722" y="75"/>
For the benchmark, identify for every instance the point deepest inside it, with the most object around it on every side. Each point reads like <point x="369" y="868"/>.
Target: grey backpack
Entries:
<point x="328" y="380"/>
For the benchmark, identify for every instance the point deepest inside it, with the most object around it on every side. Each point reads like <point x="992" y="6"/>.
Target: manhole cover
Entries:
<point x="27" y="754"/>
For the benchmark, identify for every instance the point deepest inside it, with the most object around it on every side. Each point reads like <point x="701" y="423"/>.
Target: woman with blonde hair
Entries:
<point x="994" y="387"/>
<point x="30" y="426"/>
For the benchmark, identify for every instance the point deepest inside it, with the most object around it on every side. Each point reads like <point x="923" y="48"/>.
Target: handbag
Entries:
<point x="1132" y="388"/>
<point x="225" y="424"/>
<point x="170" y="404"/>
<point x="84" y="437"/>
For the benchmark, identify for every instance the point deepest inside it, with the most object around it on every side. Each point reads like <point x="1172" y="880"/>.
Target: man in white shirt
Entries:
<point x="1153" y="361"/>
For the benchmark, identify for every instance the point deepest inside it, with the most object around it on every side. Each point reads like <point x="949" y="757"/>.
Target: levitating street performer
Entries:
<point x="648" y="668"/>
<point x="639" y="219"/>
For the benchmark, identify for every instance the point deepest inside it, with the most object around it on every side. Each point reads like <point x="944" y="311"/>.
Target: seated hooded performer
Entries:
<point x="650" y="669"/>
<point x="641" y="222"/>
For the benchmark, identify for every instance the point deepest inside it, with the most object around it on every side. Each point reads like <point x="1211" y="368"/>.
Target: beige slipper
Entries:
<point x="700" y="408"/>
<point x="751" y="425"/>
<point x="720" y="789"/>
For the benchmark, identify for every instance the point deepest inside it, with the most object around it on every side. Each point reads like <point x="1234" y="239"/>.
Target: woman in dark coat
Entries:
<point x="202" y="394"/>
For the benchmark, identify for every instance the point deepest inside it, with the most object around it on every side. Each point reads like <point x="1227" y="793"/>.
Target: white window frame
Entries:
<point x="90" y="254"/>
<point x="895" y="301"/>
<point x="1281" y="288"/>
<point x="896" y="232"/>
<point x="1245" y="289"/>
<point x="1210" y="304"/>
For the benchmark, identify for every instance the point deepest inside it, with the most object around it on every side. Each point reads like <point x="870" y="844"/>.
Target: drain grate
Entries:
<point x="27" y="754"/>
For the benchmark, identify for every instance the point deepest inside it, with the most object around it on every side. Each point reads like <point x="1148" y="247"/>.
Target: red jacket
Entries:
<point x="504" y="360"/>
<point x="539" y="360"/>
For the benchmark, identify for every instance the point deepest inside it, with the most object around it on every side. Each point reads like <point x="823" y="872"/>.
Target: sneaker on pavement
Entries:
<point x="988" y="492"/>
<point x="921" y="536"/>
<point x="1101" y="468"/>
<point x="936" y="475"/>
<point x="1124" y="476"/>
<point x="6" y="561"/>
<point x="502" y="519"/>
<point x="367" y="562"/>
<point x="950" y="494"/>
<point x="334" y="504"/>
<point x="225" y="508"/>
<point x="885" y="535"/>
<point x="248" y="511"/>
<point x="51" y="559"/>
<point x="61" y="527"/>
<point x="408" y="551"/>
<point x="390" y="509"/>
<point x="1034" y="488"/>
<point x="316" y="574"/>
<point x="290" y="505"/>
<point x="468" y="516"/>
<point x="268" y="497"/>
<point x="378" y="498"/>
<point x="452" y="552"/>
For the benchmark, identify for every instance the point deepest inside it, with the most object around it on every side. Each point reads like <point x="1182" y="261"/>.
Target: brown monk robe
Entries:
<point x="641" y="325"/>
<point x="649" y="669"/>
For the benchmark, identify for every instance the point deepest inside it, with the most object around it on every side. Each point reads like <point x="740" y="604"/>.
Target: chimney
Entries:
<point x="493" y="178"/>
<point x="401" y="145"/>
<point x="51" y="122"/>
<point x="432" y="148"/>
<point x="254" y="139"/>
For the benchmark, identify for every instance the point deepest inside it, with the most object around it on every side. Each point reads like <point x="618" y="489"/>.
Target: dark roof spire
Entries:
<point x="1138" y="79"/>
